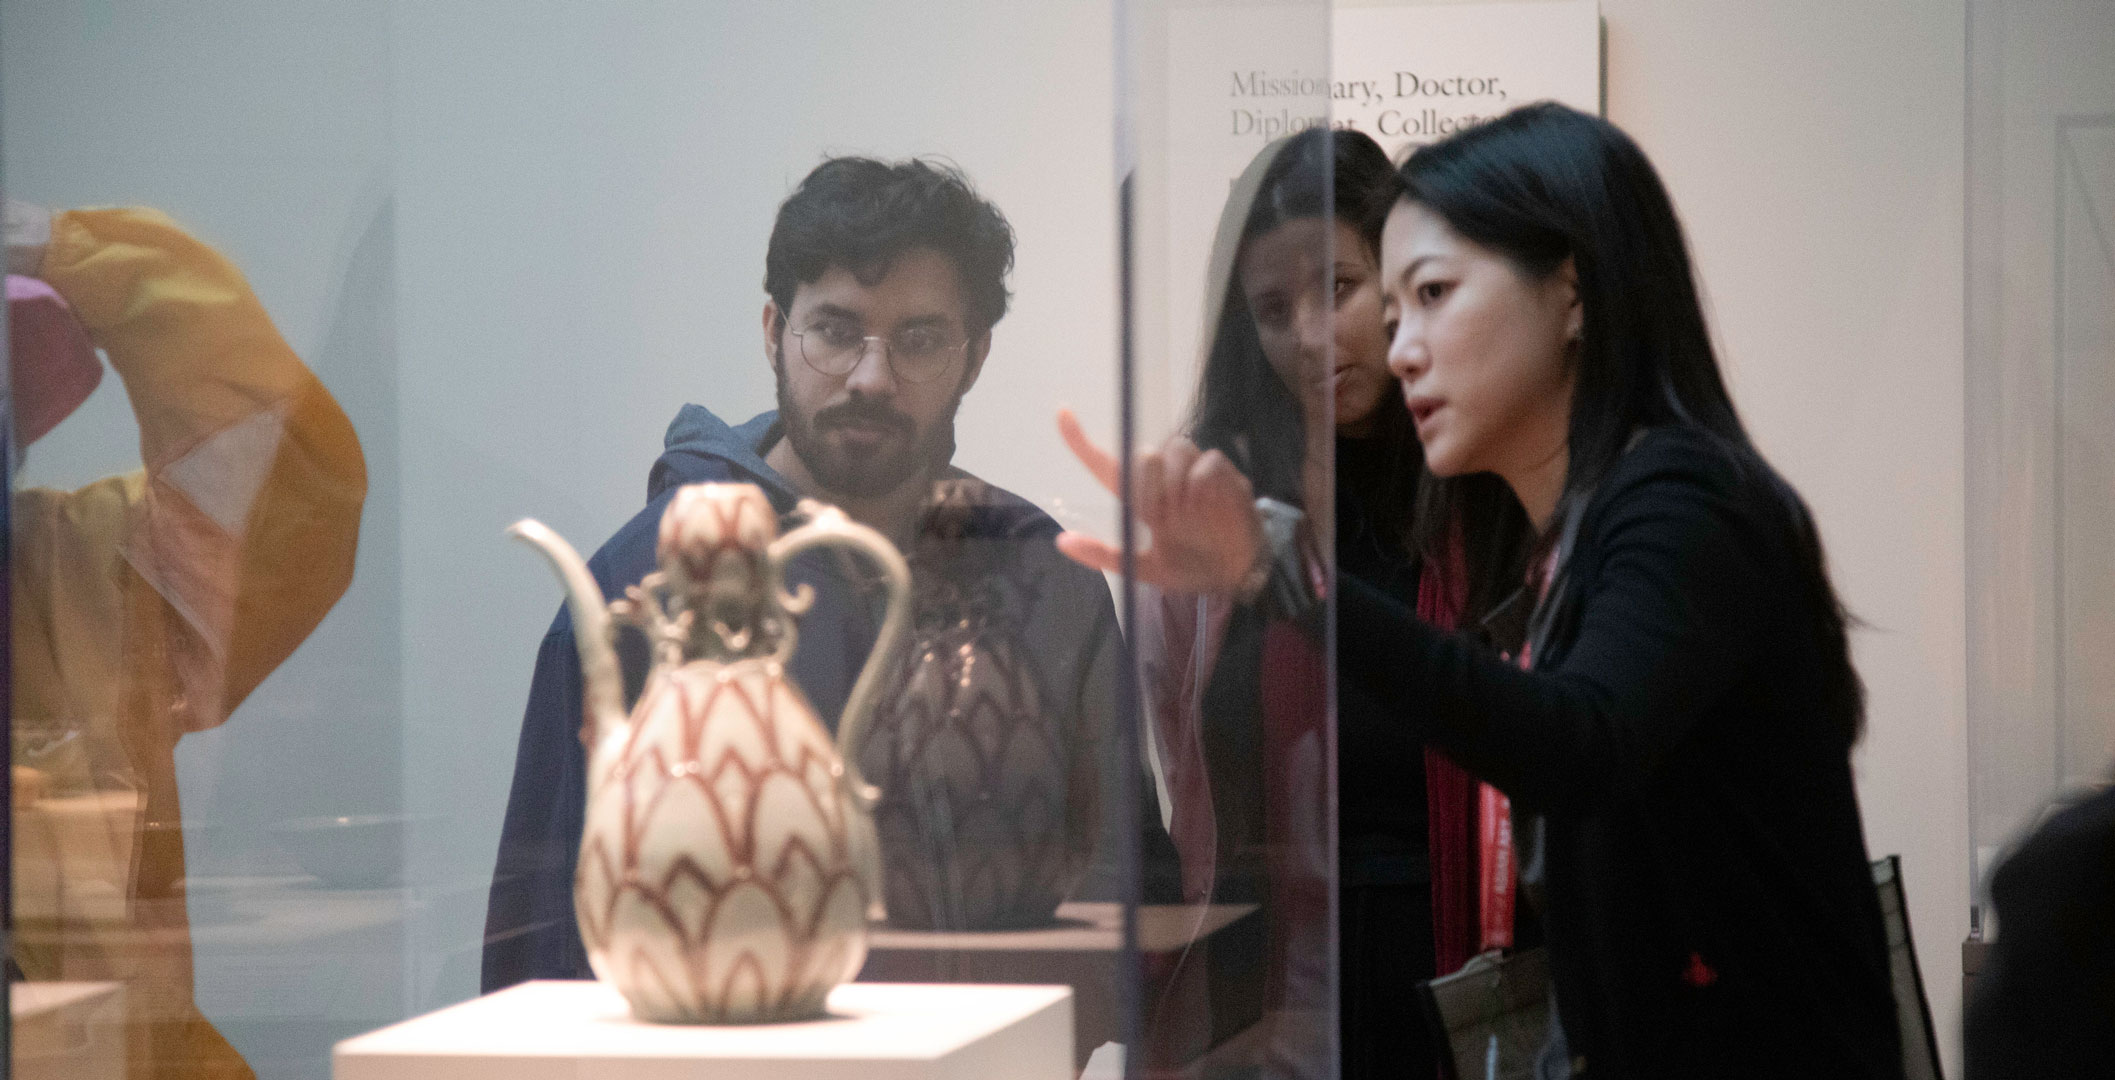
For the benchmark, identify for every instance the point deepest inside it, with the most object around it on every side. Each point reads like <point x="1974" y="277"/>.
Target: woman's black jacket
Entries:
<point x="1709" y="906"/>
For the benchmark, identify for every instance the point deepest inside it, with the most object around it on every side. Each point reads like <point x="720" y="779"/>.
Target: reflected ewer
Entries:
<point x="980" y="826"/>
<point x="728" y="861"/>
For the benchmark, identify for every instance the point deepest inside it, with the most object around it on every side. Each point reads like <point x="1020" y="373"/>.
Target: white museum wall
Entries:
<point x="1814" y="150"/>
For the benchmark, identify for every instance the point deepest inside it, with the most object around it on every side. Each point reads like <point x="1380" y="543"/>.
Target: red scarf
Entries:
<point x="1450" y="794"/>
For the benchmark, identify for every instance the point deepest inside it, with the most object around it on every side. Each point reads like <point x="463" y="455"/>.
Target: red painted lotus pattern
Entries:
<point x="973" y="816"/>
<point x="986" y="818"/>
<point x="728" y="866"/>
<point x="724" y="874"/>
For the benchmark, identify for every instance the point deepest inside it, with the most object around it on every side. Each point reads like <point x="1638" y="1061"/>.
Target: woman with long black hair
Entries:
<point x="1684" y="715"/>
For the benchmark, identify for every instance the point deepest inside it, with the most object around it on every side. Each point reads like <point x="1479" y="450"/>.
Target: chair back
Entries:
<point x="1920" y="1043"/>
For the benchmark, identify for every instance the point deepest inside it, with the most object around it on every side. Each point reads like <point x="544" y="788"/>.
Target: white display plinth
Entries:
<point x="68" y="1030"/>
<point x="583" y="1030"/>
<point x="1201" y="959"/>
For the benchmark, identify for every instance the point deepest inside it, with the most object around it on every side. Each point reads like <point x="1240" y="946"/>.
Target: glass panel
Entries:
<point x="2085" y="327"/>
<point x="210" y="818"/>
<point x="297" y="742"/>
<point x="2041" y="338"/>
<point x="1229" y="349"/>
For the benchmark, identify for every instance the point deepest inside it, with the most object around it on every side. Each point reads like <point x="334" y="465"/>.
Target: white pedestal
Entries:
<point x="68" y="1030"/>
<point x="584" y="1030"/>
<point x="1201" y="960"/>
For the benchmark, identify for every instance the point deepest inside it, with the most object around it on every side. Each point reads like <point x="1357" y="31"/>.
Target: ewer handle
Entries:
<point x="828" y="526"/>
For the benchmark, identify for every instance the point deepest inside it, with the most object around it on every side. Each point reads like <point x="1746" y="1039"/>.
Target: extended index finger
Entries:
<point x="1097" y="460"/>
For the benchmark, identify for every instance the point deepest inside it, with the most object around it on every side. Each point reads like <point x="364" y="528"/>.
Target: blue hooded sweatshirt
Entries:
<point x="530" y="929"/>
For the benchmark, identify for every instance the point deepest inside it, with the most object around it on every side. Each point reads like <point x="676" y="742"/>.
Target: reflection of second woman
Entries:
<point x="1319" y="327"/>
<point x="1403" y="843"/>
<point x="1298" y="360"/>
<point x="1328" y="327"/>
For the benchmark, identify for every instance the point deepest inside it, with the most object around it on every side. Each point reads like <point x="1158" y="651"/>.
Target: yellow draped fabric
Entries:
<point x="151" y="604"/>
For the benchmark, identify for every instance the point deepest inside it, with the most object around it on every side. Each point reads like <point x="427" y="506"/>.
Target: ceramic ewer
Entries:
<point x="728" y="863"/>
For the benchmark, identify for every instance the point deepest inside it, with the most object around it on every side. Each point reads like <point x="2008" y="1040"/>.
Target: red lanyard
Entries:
<point x="1494" y="818"/>
<point x="1497" y="870"/>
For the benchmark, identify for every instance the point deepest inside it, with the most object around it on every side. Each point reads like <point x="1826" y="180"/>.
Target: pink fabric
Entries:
<point x="52" y="363"/>
<point x="1180" y="638"/>
<point x="1178" y="646"/>
<point x="1295" y="699"/>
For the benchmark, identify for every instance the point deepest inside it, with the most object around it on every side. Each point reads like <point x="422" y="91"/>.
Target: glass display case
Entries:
<point x="310" y="302"/>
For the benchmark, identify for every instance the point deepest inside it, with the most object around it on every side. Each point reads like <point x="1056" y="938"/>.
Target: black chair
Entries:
<point x="1920" y="1042"/>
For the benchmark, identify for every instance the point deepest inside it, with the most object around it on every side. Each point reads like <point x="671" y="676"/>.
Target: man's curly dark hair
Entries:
<point x="862" y="214"/>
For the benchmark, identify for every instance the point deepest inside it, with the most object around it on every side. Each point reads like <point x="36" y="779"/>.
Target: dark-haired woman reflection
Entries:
<point x="1296" y="374"/>
<point x="1309" y="284"/>
<point x="1686" y="727"/>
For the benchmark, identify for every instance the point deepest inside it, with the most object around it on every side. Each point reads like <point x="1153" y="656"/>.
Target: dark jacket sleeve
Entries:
<point x="1080" y="640"/>
<point x="1665" y="627"/>
<point x="530" y="930"/>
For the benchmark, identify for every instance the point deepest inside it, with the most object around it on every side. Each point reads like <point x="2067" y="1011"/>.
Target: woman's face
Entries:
<point x="1485" y="353"/>
<point x="1301" y="310"/>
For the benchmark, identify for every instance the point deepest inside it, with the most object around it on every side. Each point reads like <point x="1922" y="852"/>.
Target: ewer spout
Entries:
<point x="603" y="710"/>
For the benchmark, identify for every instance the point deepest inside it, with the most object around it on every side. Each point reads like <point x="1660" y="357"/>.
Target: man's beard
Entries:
<point x="856" y="475"/>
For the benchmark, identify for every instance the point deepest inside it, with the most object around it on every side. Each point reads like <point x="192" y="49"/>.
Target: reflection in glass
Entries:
<point x="1232" y="646"/>
<point x="1232" y="635"/>
<point x="149" y="605"/>
<point x="985" y="753"/>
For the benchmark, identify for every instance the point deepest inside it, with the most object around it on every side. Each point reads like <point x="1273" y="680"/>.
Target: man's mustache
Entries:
<point x="863" y="413"/>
